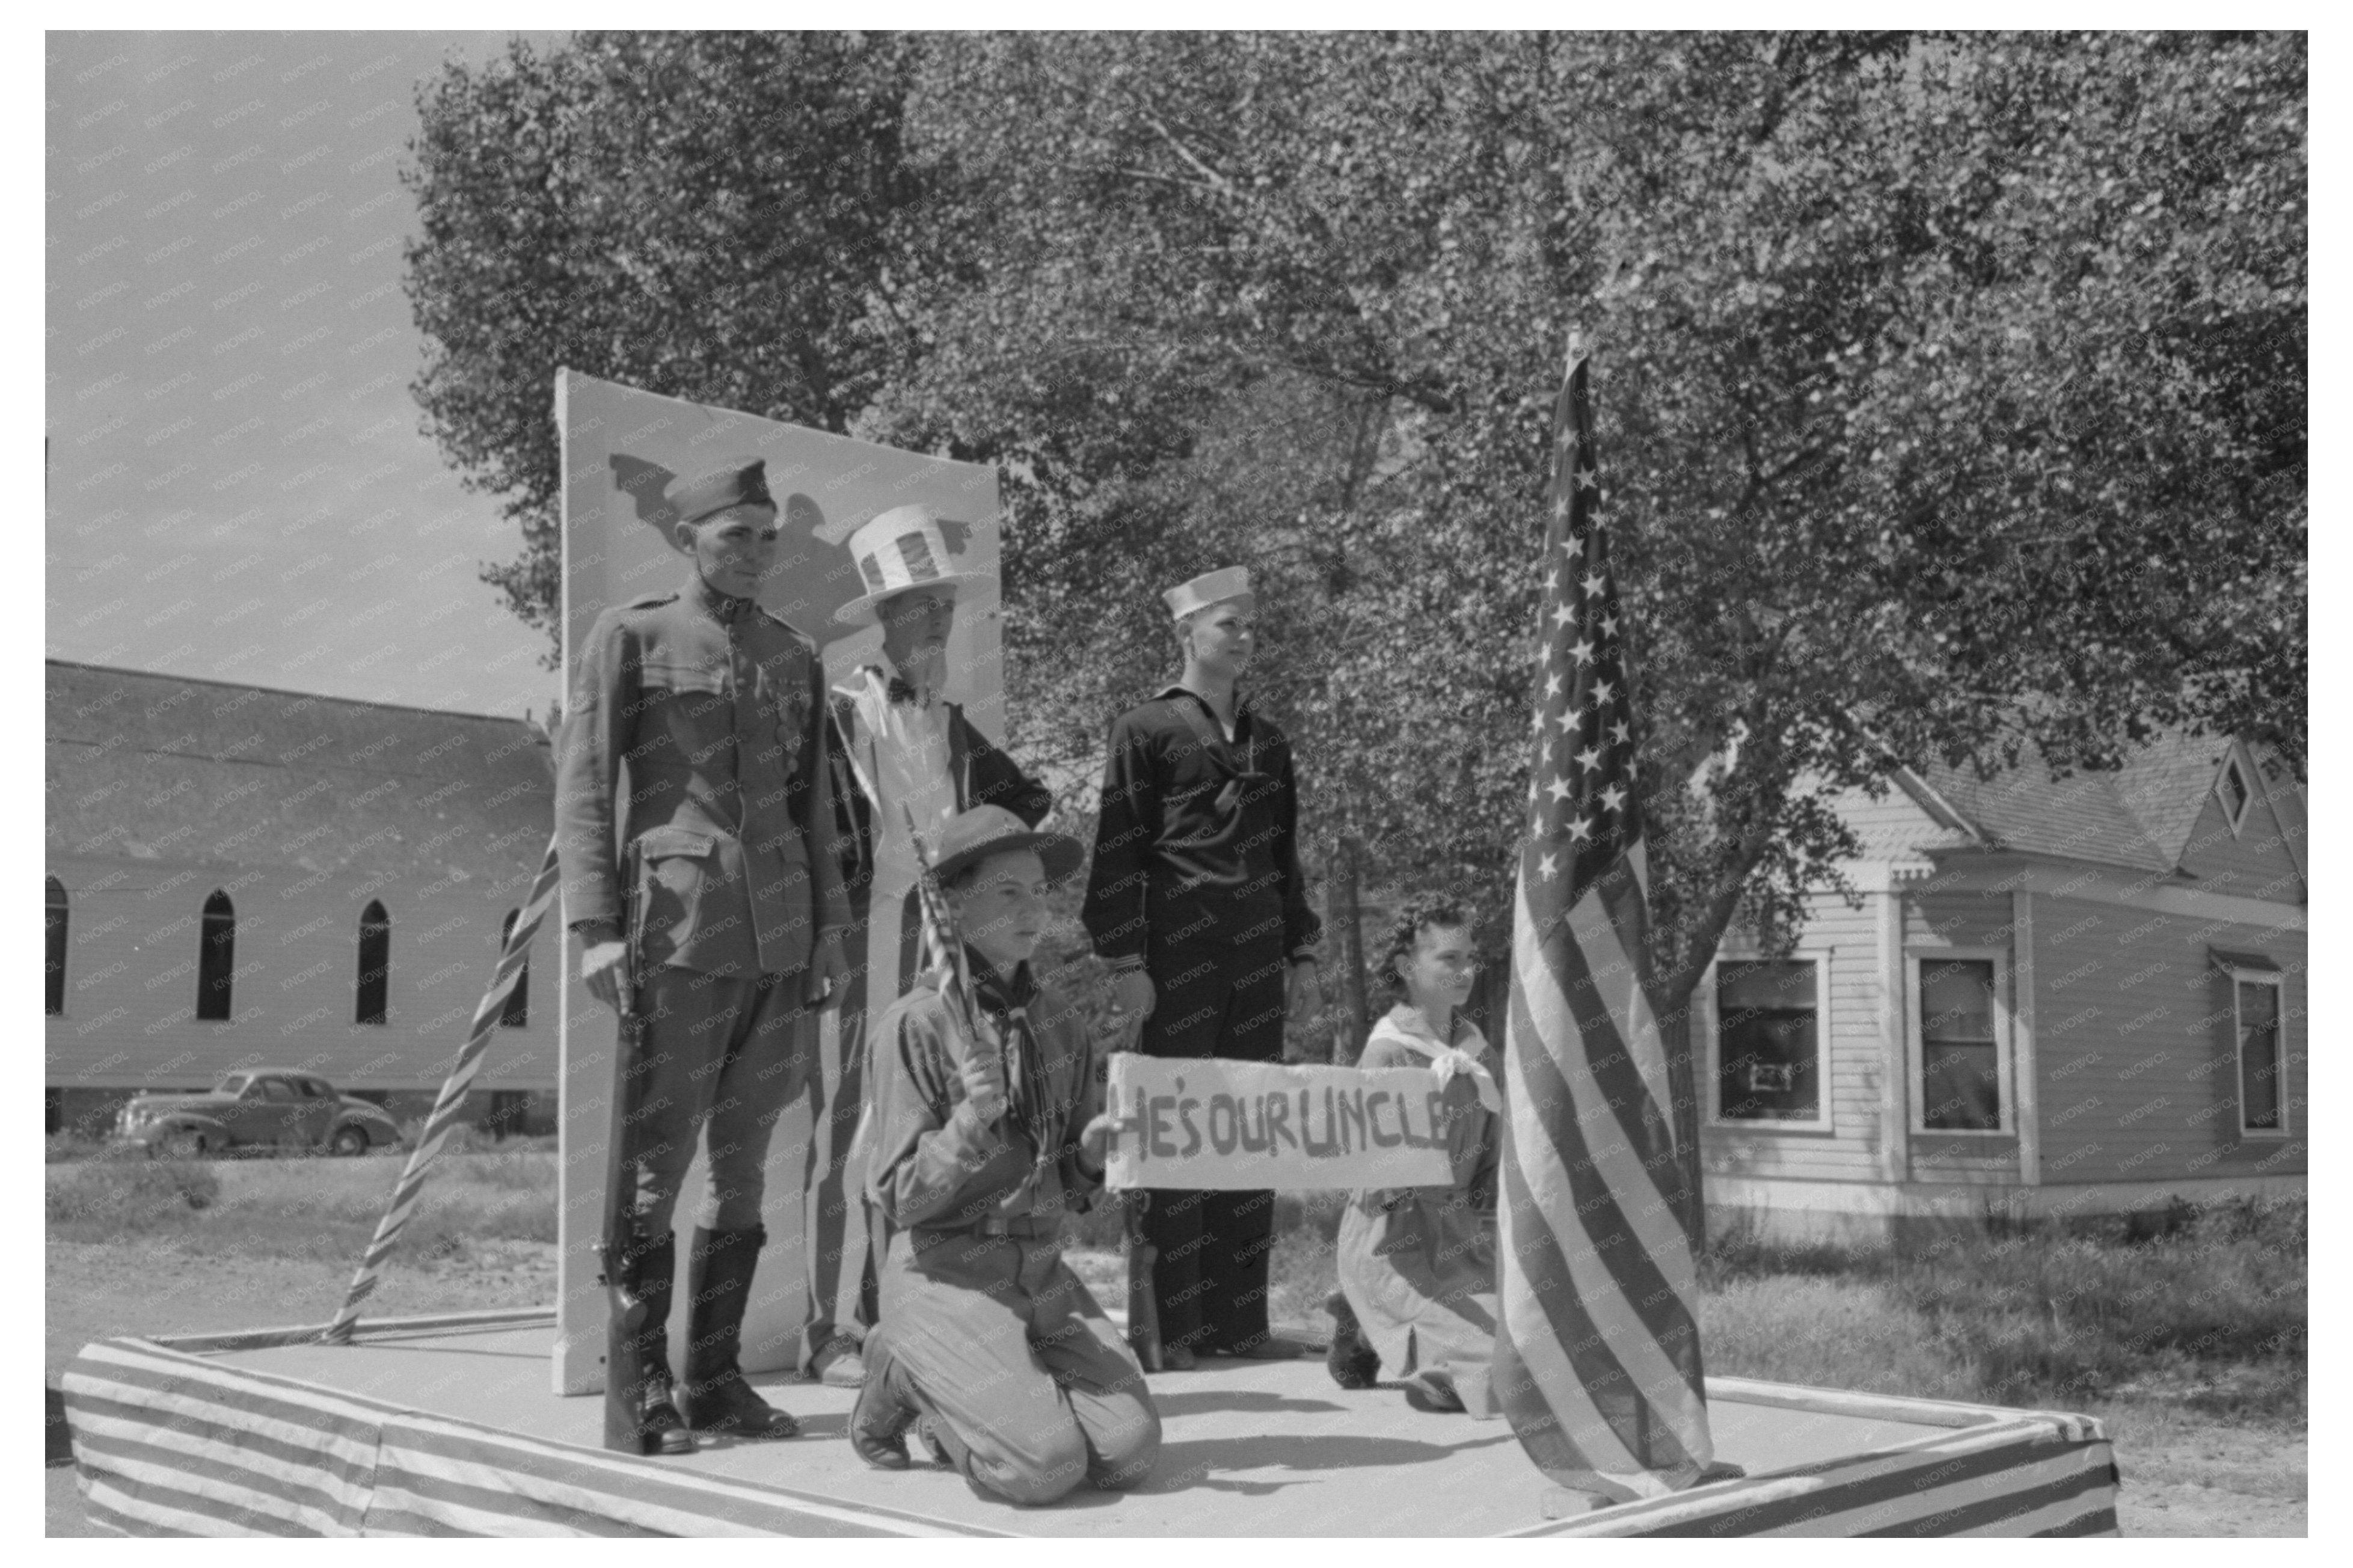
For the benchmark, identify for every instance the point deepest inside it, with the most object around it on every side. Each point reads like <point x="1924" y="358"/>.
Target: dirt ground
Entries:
<point x="2183" y="1475"/>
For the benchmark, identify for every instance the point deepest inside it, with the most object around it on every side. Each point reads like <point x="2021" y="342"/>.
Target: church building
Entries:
<point x="239" y="876"/>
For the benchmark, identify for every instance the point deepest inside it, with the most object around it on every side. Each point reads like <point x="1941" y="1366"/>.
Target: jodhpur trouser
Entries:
<point x="1029" y="1388"/>
<point x="1214" y="998"/>
<point x="722" y="1058"/>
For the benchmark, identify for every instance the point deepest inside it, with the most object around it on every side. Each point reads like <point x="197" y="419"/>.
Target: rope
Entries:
<point x="444" y="1118"/>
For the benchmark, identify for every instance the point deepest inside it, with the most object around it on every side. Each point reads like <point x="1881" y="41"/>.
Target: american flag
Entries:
<point x="1597" y="1353"/>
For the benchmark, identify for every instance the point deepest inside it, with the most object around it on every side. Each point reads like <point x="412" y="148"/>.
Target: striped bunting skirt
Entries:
<point x="2039" y="1474"/>
<point x="171" y="1444"/>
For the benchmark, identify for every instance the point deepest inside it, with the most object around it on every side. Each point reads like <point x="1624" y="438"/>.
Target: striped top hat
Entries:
<point x="902" y="548"/>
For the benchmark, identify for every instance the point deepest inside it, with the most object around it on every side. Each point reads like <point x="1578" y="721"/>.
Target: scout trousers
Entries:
<point x="1214" y="999"/>
<point x="724" y="1054"/>
<point x="1027" y="1388"/>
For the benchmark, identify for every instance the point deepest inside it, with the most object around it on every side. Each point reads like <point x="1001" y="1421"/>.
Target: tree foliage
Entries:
<point x="713" y="216"/>
<point x="1951" y="388"/>
<point x="1951" y="393"/>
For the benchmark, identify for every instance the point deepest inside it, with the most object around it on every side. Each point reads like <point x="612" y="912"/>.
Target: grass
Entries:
<point x="304" y="1208"/>
<point x="2210" y="1311"/>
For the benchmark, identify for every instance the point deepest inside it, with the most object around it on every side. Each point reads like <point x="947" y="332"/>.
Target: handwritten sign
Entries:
<point x="1204" y="1123"/>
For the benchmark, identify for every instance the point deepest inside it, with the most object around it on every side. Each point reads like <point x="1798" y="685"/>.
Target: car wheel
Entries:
<point x="350" y="1141"/>
<point x="183" y="1144"/>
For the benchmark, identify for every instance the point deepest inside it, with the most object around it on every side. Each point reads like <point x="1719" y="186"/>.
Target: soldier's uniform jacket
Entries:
<point x="696" y="732"/>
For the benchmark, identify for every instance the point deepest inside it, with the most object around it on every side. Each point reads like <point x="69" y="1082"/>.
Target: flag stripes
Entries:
<point x="1597" y="1357"/>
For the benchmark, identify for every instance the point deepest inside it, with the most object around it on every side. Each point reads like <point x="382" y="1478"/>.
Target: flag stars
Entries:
<point x="1581" y="829"/>
<point x="1601" y="693"/>
<point x="1590" y="758"/>
<point x="1559" y="789"/>
<point x="1621" y="731"/>
<point x="1551" y="867"/>
<point x="1562" y="615"/>
<point x="1592" y="583"/>
<point x="1581" y="651"/>
<point x="1613" y="797"/>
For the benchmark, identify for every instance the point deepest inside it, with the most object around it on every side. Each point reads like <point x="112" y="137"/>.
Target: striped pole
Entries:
<point x="453" y="1098"/>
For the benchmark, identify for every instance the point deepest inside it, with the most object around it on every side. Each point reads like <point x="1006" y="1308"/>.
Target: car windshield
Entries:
<point x="233" y="1084"/>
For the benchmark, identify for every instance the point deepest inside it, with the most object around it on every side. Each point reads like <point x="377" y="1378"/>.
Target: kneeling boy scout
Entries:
<point x="987" y="1336"/>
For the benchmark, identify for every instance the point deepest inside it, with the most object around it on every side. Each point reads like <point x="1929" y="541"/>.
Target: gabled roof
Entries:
<point x="165" y="768"/>
<point x="2140" y="816"/>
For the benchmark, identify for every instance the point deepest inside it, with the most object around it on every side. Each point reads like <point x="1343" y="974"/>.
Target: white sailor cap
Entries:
<point x="1208" y="588"/>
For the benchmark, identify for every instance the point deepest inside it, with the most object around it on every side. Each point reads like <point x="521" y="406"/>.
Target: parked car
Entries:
<point x="264" y="1111"/>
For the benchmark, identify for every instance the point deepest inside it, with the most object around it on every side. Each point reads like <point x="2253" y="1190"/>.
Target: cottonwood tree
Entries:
<point x="1951" y="394"/>
<point x="1951" y="389"/>
<point x="709" y="215"/>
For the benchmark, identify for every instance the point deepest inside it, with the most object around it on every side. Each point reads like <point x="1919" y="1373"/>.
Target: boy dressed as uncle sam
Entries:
<point x="1197" y="902"/>
<point x="980" y="1146"/>
<point x="692" y="764"/>
<point x="901" y="750"/>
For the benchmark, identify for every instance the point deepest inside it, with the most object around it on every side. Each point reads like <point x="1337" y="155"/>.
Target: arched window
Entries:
<point x="375" y="963"/>
<point x="57" y="945"/>
<point x="517" y="1014"/>
<point x="217" y="959"/>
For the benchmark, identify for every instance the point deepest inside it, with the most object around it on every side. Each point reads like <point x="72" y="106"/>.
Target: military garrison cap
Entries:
<point x="739" y="482"/>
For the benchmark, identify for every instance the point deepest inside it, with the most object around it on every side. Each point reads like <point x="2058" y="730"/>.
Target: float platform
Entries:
<point x="447" y="1427"/>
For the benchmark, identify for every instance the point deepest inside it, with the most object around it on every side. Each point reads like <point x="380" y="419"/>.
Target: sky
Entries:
<point x="239" y="486"/>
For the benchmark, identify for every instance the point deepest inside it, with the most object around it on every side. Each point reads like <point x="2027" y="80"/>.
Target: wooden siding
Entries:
<point x="1894" y="825"/>
<point x="1943" y="912"/>
<point x="131" y="977"/>
<point x="2255" y="862"/>
<point x="2138" y="1066"/>
<point x="1847" y="940"/>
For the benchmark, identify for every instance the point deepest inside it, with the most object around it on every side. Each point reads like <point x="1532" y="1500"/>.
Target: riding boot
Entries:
<point x="718" y="1286"/>
<point x="648" y="1269"/>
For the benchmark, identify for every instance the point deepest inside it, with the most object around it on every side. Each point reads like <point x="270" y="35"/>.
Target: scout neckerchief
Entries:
<point x="1404" y="1024"/>
<point x="1029" y="1090"/>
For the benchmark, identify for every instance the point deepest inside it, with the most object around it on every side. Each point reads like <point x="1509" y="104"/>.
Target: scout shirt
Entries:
<point x="1198" y="834"/>
<point x="696" y="734"/>
<point x="937" y="1166"/>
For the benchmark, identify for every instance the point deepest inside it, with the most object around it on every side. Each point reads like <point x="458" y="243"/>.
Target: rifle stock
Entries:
<point x="1142" y="1301"/>
<point x="625" y="1318"/>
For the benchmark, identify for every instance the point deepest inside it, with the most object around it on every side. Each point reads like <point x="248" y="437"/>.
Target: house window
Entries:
<point x="217" y="959"/>
<point x="517" y="1012"/>
<point x="2262" y="1061"/>
<point x="1768" y="1041"/>
<point x="375" y="964"/>
<point x="2232" y="785"/>
<point x="55" y="932"/>
<point x="1960" y="1044"/>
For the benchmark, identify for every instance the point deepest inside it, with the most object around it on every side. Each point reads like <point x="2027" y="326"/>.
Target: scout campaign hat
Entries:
<point x="987" y="830"/>
<point x="738" y="481"/>
<point x="902" y="548"/>
<point x="1208" y="588"/>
